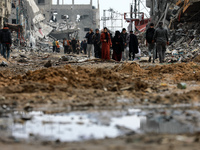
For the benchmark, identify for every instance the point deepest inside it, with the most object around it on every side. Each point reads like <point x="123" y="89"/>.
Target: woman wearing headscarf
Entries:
<point x="106" y="44"/>
<point x="117" y="43"/>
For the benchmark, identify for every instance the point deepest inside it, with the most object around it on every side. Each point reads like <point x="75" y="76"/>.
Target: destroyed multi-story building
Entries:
<point x="5" y="11"/>
<point x="63" y="17"/>
<point x="83" y="16"/>
<point x="174" y="10"/>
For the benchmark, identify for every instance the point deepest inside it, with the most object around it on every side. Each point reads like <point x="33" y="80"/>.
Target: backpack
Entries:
<point x="149" y="35"/>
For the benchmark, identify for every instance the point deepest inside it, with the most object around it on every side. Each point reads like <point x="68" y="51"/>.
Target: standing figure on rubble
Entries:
<point x="57" y="46"/>
<point x="132" y="42"/>
<point x="54" y="46"/>
<point x="151" y="45"/>
<point x="124" y="36"/>
<point x="161" y="39"/>
<point x="90" y="42"/>
<point x="106" y="44"/>
<point x="65" y="45"/>
<point x="118" y="46"/>
<point x="6" y="41"/>
<point x="97" y="44"/>
<point x="78" y="47"/>
<point x="74" y="45"/>
<point x="84" y="46"/>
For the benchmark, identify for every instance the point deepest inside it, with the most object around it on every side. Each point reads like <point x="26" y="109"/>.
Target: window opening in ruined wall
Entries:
<point x="41" y="1"/>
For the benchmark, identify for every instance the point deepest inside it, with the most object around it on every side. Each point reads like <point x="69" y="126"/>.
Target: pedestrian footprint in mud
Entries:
<point x="132" y="42"/>
<point x="161" y="39"/>
<point x="151" y="45"/>
<point x="106" y="44"/>
<point x="6" y="41"/>
<point x="118" y="47"/>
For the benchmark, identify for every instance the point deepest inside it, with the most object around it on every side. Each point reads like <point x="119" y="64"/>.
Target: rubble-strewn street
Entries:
<point x="55" y="97"/>
<point x="77" y="84"/>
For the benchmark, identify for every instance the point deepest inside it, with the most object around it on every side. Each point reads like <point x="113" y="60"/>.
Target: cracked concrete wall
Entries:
<point x="157" y="7"/>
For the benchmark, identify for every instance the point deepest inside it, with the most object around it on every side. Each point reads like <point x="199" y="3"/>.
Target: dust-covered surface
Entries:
<point x="81" y="84"/>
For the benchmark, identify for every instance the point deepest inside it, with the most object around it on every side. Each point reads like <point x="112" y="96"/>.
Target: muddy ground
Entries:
<point x="25" y="84"/>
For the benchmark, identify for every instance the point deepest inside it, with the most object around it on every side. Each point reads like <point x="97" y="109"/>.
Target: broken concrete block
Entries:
<point x="48" y="64"/>
<point x="181" y="86"/>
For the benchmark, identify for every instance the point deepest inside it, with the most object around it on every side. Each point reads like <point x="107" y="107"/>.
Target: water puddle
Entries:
<point x="79" y="126"/>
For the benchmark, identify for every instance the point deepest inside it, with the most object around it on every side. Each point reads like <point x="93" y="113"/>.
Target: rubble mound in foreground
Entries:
<point x="75" y="77"/>
<point x="197" y="59"/>
<point x="174" y="68"/>
<point x="129" y="68"/>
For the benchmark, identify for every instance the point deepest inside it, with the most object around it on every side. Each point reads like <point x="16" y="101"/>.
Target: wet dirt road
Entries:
<point x="71" y="86"/>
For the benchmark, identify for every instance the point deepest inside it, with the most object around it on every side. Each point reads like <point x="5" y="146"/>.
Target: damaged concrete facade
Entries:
<point x="85" y="16"/>
<point x="5" y="11"/>
<point x="169" y="11"/>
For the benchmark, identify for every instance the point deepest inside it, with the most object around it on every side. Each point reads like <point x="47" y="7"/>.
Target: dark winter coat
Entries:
<point x="6" y="36"/>
<point x="133" y="43"/>
<point x="84" y="45"/>
<point x="117" y="44"/>
<point x="124" y="37"/>
<point x="89" y="37"/>
<point x="149" y="35"/>
<point x="96" y="39"/>
<point x="161" y="35"/>
<point x="0" y="35"/>
<point x="74" y="42"/>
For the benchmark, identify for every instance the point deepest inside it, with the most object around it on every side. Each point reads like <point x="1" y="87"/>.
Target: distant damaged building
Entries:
<point x="171" y="11"/>
<point x="66" y="16"/>
<point x="5" y="11"/>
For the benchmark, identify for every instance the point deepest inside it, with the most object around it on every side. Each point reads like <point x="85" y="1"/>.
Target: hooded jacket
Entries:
<point x="5" y="36"/>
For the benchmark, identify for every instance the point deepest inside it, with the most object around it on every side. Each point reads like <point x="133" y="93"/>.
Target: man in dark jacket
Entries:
<point x="161" y="38"/>
<point x="84" y="46"/>
<point x="124" y="36"/>
<point x="132" y="42"/>
<point x="74" y="45"/>
<point x="97" y="43"/>
<point x="90" y="46"/>
<point x="6" y="41"/>
<point x="149" y="38"/>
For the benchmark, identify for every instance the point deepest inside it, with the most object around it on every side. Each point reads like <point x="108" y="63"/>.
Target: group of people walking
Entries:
<point x="160" y="37"/>
<point x="99" y="44"/>
<point x="5" y="42"/>
<point x="125" y="45"/>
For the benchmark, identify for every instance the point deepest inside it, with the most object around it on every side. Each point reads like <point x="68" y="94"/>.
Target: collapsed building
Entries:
<point x="5" y="11"/>
<point x="67" y="20"/>
<point x="181" y="17"/>
<point x="172" y="12"/>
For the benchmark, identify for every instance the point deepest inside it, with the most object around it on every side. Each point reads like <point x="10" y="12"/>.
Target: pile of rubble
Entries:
<point x="184" y="43"/>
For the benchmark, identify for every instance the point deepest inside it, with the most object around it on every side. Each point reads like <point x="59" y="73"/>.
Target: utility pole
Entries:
<point x="131" y="15"/>
<point x="135" y="10"/>
<point x="104" y="18"/>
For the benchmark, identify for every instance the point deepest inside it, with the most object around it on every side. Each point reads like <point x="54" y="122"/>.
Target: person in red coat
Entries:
<point x="106" y="44"/>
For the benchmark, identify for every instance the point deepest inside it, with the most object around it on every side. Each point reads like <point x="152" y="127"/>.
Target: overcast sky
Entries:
<point x="120" y="6"/>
